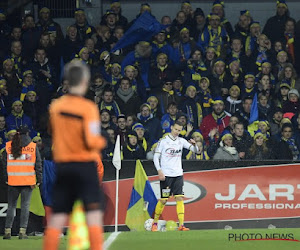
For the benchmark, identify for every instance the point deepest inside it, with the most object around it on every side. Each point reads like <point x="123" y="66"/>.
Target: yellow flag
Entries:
<point x="78" y="231"/>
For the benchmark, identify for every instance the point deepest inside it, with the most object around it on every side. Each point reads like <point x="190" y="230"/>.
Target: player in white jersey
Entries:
<point x="167" y="160"/>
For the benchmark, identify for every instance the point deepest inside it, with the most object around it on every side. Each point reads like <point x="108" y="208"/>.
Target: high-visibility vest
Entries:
<point x="21" y="171"/>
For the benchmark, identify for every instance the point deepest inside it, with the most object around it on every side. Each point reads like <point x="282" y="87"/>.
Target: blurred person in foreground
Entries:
<point x="76" y="157"/>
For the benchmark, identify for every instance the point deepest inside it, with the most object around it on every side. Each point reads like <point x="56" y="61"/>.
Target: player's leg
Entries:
<point x="92" y="198"/>
<point x="178" y="193"/>
<point x="165" y="192"/>
<point x="64" y="194"/>
<point x="56" y="223"/>
<point x="13" y="194"/>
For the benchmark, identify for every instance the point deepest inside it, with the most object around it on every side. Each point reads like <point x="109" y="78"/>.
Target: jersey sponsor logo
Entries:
<point x="3" y="209"/>
<point x="27" y="157"/>
<point x="173" y="151"/>
<point x="192" y="192"/>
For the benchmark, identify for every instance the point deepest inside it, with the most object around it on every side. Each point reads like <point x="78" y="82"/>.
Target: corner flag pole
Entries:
<point x="117" y="163"/>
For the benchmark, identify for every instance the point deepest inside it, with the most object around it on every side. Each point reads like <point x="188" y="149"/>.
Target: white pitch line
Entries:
<point x="110" y="240"/>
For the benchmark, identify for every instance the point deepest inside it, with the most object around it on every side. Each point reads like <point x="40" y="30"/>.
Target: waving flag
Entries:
<point x="142" y="202"/>
<point x="254" y="110"/>
<point x="142" y="29"/>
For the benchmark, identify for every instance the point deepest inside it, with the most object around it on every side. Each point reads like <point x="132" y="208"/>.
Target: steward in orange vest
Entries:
<point x="23" y="171"/>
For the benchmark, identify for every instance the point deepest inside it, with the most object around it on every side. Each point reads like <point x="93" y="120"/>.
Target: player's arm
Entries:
<point x="190" y="145"/>
<point x="156" y="160"/>
<point x="92" y="129"/>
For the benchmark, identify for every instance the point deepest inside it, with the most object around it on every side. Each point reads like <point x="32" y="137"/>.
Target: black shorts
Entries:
<point x="171" y="186"/>
<point x="76" y="181"/>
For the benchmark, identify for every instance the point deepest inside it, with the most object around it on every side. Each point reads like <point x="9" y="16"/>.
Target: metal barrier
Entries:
<point x="59" y="8"/>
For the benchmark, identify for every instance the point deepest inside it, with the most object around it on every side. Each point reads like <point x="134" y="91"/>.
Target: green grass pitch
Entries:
<point x="192" y="240"/>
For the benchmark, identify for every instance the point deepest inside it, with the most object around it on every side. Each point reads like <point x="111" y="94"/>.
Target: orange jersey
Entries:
<point x="75" y="128"/>
<point x="100" y="168"/>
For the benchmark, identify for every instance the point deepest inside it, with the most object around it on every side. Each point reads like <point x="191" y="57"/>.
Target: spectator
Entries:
<point x="234" y="74"/>
<point x="3" y="96"/>
<point x="242" y="28"/>
<point x="169" y="118"/>
<point x="201" y="154"/>
<point x="275" y="121"/>
<point x="151" y="124"/>
<point x="17" y="117"/>
<point x="46" y="24"/>
<point x="289" y="35"/>
<point x="278" y="21"/>
<point x="131" y="119"/>
<point x="241" y="139"/>
<point x="122" y="129"/>
<point x="244" y="113"/>
<point x="84" y="29"/>
<point x="110" y="20"/>
<point x="178" y="24"/>
<point x="293" y="104"/>
<point x="109" y="103"/>
<point x="98" y="86"/>
<point x="140" y="131"/>
<point x="249" y="88"/>
<point x="288" y="75"/>
<point x="204" y="96"/>
<point x="210" y="58"/>
<point x="191" y="107"/>
<point x="116" y="8"/>
<point x="16" y="54"/>
<point x="198" y="23"/>
<point x="178" y="89"/>
<point x="126" y="98"/>
<point x="102" y="38"/>
<point x="264" y="108"/>
<point x="259" y="149"/>
<point x="266" y="69"/>
<point x="30" y="37"/>
<point x="218" y="8"/>
<point x="251" y="40"/>
<point x="233" y="102"/>
<point x="45" y="151"/>
<point x="132" y="151"/>
<point x="287" y="147"/>
<point x="106" y="120"/>
<point x="282" y="59"/>
<point x="217" y="79"/>
<point x="226" y="151"/>
<point x="238" y="52"/>
<point x="186" y="45"/>
<point x="166" y="95"/>
<point x="282" y="95"/>
<point x="214" y="35"/>
<point x="155" y="107"/>
<point x="32" y="108"/>
<point x="27" y="84"/>
<point x="160" y="72"/>
<point x="216" y="120"/>
<point x="3" y="131"/>
<point x="71" y="44"/>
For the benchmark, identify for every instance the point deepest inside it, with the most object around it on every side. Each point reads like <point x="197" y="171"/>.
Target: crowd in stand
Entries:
<point x="199" y="69"/>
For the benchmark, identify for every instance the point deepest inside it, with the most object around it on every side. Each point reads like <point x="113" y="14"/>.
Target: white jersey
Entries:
<point x="168" y="152"/>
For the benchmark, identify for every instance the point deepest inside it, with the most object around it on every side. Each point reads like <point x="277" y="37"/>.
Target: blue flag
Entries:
<point x="49" y="176"/>
<point x="254" y="110"/>
<point x="142" y="29"/>
<point x="142" y="202"/>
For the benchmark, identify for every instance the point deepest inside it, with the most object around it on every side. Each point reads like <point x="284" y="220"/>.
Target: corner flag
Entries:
<point x="142" y="202"/>
<point x="117" y="154"/>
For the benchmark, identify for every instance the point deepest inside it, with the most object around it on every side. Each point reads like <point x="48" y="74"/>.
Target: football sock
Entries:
<point x="51" y="239"/>
<point x="96" y="237"/>
<point x="158" y="211"/>
<point x="180" y="212"/>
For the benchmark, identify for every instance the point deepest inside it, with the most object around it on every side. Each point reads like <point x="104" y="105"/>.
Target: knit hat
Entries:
<point x="281" y="52"/>
<point x="27" y="72"/>
<point x="152" y="97"/>
<point x="225" y="135"/>
<point x="44" y="10"/>
<point x="218" y="99"/>
<point x="121" y="116"/>
<point x="213" y="15"/>
<point x="132" y="133"/>
<point x="264" y="122"/>
<point x="110" y="12"/>
<point x="6" y="59"/>
<point x="37" y="137"/>
<point x="16" y="102"/>
<point x="115" y="3"/>
<point x="199" y="12"/>
<point x="2" y="80"/>
<point x="10" y="131"/>
<point x="244" y="13"/>
<point x="205" y="78"/>
<point x="285" y="84"/>
<point x="219" y="60"/>
<point x="184" y="29"/>
<point x="218" y="3"/>
<point x="248" y="75"/>
<point x="254" y="24"/>
<point x="293" y="91"/>
<point x="2" y="13"/>
<point x="235" y="87"/>
<point x="281" y="3"/>
<point x="145" y="105"/>
<point x="78" y="11"/>
<point x="104" y="55"/>
<point x="258" y="133"/>
<point x="197" y="132"/>
<point x="137" y="125"/>
<point x="190" y="87"/>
